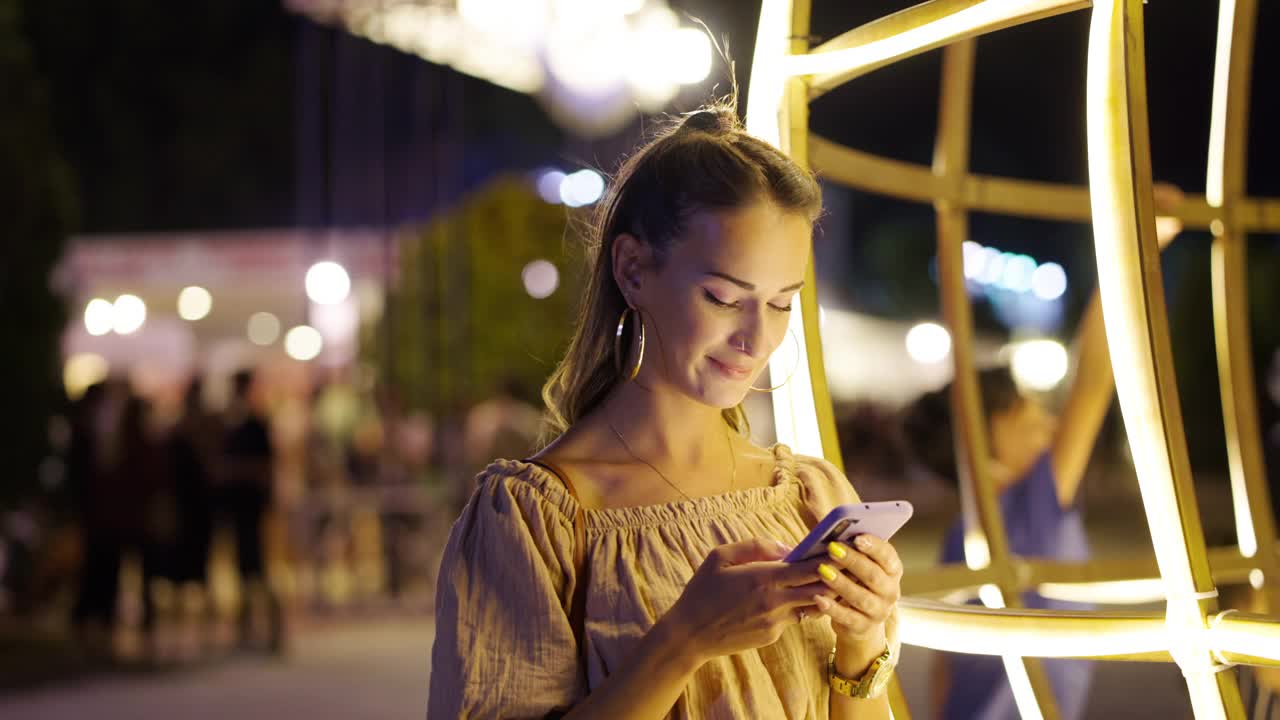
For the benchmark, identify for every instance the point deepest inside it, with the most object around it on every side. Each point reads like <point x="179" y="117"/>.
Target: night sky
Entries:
<point x="239" y="114"/>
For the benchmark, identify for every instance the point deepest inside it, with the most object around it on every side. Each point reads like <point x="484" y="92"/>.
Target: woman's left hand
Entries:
<point x="867" y="581"/>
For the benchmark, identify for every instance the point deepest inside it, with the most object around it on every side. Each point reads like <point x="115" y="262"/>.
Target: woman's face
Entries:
<point x="720" y="304"/>
<point x="1020" y="435"/>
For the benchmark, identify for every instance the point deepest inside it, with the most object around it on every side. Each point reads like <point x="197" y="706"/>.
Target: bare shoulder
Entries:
<point x="580" y="454"/>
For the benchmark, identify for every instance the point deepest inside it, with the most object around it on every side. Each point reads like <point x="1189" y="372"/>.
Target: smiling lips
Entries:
<point x="730" y="371"/>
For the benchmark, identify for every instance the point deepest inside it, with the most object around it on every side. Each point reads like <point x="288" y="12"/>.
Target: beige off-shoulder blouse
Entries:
<point x="504" y="647"/>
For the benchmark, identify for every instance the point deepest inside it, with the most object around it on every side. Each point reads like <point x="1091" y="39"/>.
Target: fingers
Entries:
<point x="755" y="550"/>
<point x="802" y="595"/>
<point x="855" y="597"/>
<point x="855" y="621"/>
<point x="867" y="579"/>
<point x="865" y="570"/>
<point x="882" y="553"/>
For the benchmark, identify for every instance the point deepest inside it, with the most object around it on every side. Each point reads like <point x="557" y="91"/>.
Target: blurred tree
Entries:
<point x="462" y="322"/>
<point x="39" y="210"/>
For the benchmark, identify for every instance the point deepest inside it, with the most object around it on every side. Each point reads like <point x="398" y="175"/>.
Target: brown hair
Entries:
<point x="703" y="161"/>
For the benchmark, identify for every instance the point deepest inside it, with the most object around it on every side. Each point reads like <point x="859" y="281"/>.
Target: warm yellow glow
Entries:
<point x="194" y="303"/>
<point x="955" y="25"/>
<point x="1023" y="695"/>
<point x="82" y="370"/>
<point x="1039" y="364"/>
<point x="1114" y="183"/>
<point x="1256" y="579"/>
<point x="1213" y="189"/>
<point x="1038" y="633"/>
<point x="928" y="343"/>
<point x="327" y="283"/>
<point x="991" y="596"/>
<point x="1117" y="156"/>
<point x="795" y="414"/>
<point x="689" y="51"/>
<point x="1019" y="681"/>
<point x="303" y="343"/>
<point x="130" y="314"/>
<point x="99" y="317"/>
<point x="767" y="77"/>
<point x="1114" y="592"/>
<point x="977" y="554"/>
<point x="1246" y="635"/>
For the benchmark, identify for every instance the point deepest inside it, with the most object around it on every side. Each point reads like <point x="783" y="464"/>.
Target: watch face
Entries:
<point x="881" y="680"/>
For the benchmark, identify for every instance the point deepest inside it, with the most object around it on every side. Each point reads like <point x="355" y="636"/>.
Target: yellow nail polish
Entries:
<point x="837" y="551"/>
<point x="826" y="572"/>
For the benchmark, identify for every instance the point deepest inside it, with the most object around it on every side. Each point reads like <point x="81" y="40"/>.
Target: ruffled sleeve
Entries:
<point x="504" y="647"/>
<point x="823" y="488"/>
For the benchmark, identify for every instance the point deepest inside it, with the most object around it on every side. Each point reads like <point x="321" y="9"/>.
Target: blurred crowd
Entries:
<point x="180" y="527"/>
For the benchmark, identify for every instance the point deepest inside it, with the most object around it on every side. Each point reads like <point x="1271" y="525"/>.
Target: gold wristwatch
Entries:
<point x="873" y="682"/>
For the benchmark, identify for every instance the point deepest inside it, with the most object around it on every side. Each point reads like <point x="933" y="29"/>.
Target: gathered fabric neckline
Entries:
<point x="785" y="481"/>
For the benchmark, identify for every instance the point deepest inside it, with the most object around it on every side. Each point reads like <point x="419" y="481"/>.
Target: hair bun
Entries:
<point x="709" y="120"/>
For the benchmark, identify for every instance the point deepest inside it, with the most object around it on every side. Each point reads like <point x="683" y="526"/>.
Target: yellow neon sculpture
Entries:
<point x="787" y="75"/>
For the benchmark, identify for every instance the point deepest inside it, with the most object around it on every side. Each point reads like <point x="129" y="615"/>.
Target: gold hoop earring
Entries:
<point x="617" y="343"/>
<point x="790" y="375"/>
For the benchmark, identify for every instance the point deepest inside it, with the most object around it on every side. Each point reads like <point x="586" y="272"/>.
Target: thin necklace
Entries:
<point x="733" y="458"/>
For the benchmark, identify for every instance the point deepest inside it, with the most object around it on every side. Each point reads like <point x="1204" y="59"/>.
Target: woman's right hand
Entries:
<point x="743" y="597"/>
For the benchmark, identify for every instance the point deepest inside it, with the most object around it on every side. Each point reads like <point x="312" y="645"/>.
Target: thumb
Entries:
<point x="755" y="550"/>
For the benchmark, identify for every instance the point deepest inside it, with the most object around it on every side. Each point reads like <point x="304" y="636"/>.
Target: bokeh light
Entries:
<point x="686" y="56"/>
<point x="194" y="303"/>
<point x="264" y="328"/>
<point x="581" y="188"/>
<point x="1039" y="364"/>
<point x="1018" y="270"/>
<point x="928" y="343"/>
<point x="548" y="185"/>
<point x="82" y="370"/>
<point x="541" y="278"/>
<point x="327" y="283"/>
<point x="99" y="317"/>
<point x="1049" y="281"/>
<point x="129" y="313"/>
<point x="303" y="343"/>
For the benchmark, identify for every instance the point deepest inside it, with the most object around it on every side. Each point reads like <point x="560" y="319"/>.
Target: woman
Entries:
<point x="696" y="254"/>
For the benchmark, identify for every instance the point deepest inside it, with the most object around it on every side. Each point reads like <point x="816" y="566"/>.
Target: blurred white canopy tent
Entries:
<point x="867" y="359"/>
<point x="247" y="274"/>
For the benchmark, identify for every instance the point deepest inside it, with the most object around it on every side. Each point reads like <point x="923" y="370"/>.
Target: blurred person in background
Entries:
<point x="194" y="456"/>
<point x="245" y="494"/>
<point x="144" y="484"/>
<point x="93" y="466"/>
<point x="680" y="604"/>
<point x="1037" y="463"/>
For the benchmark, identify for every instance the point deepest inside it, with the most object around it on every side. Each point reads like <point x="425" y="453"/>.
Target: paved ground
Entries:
<point x="368" y="670"/>
<point x="379" y="670"/>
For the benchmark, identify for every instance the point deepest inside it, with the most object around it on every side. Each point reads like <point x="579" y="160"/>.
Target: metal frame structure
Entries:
<point x="787" y="74"/>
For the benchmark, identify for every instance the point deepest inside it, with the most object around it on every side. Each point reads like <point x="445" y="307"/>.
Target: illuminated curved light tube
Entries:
<point x="1182" y="632"/>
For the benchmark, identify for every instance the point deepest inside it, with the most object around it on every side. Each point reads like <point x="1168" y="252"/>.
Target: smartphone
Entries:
<point x="845" y="522"/>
